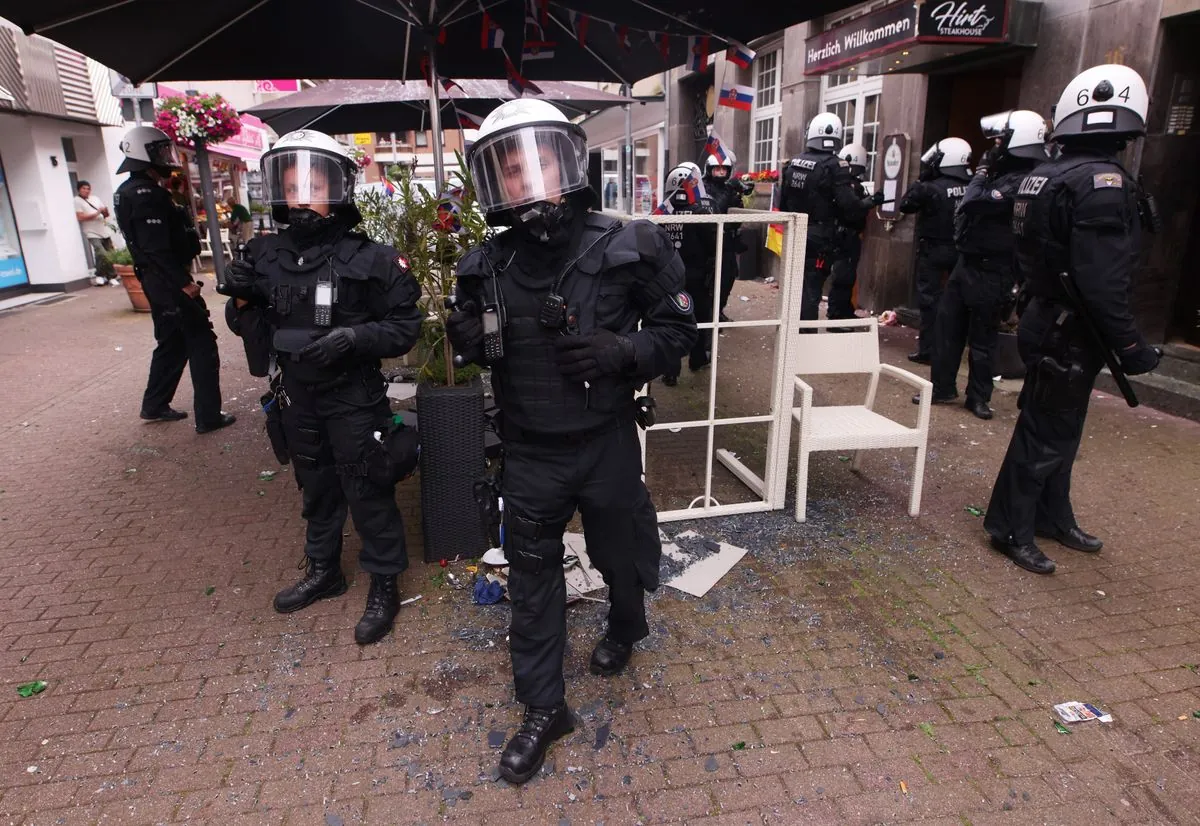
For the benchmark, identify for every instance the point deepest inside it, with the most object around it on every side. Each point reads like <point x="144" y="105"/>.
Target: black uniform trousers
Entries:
<point x="729" y="268"/>
<point x="969" y="316"/>
<point x="819" y="254"/>
<point x="844" y="272"/>
<point x="544" y="483"/>
<point x="1033" y="489"/>
<point x="934" y="262"/>
<point x="185" y="337"/>
<point x="329" y="432"/>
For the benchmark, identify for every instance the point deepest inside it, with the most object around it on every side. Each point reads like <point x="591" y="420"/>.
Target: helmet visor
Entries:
<point x="531" y="164"/>
<point x="994" y="126"/>
<point x="162" y="153"/>
<point x="302" y="177"/>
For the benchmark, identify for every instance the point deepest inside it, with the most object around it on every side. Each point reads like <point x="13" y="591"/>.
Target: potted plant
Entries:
<point x="433" y="233"/>
<point x="119" y="262"/>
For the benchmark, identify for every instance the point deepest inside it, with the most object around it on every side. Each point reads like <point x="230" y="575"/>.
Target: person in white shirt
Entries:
<point x="93" y="215"/>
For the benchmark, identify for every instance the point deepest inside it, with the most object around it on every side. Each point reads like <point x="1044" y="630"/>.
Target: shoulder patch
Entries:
<point x="842" y="162"/>
<point x="997" y="195"/>
<point x="1107" y="180"/>
<point x="681" y="302"/>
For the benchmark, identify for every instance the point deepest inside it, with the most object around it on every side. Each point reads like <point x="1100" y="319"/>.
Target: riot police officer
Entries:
<point x="945" y="170"/>
<point x="697" y="248"/>
<point x="818" y="182"/>
<point x="981" y="286"/>
<point x="552" y="304"/>
<point x="726" y="192"/>
<point x="338" y="303"/>
<point x="850" y="226"/>
<point x="163" y="242"/>
<point x="1077" y="223"/>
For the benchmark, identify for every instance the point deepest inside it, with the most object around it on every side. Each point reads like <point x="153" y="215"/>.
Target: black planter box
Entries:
<point x="452" y="459"/>
<point x="1008" y="364"/>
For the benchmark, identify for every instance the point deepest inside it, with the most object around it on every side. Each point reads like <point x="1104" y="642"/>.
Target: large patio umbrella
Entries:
<point x="522" y="40"/>
<point x="345" y="106"/>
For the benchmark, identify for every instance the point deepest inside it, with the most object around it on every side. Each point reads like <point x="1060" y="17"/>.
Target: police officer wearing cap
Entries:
<point x="818" y="182"/>
<point x="163" y="242"/>
<point x="726" y="192"/>
<point x="1077" y="218"/>
<point x="553" y="306"/>
<point x="934" y="197"/>
<point x="980" y="288"/>
<point x="850" y="226"/>
<point x="697" y="248"/>
<point x="336" y="303"/>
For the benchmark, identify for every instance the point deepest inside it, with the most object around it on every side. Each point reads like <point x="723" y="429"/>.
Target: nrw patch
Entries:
<point x="681" y="301"/>
<point x="997" y="195"/>
<point x="402" y="262"/>
<point x="1107" y="180"/>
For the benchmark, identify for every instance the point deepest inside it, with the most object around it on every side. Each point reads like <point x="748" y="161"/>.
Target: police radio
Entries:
<point x="493" y="338"/>
<point x="1147" y="206"/>
<point x="551" y="314"/>
<point x="323" y="304"/>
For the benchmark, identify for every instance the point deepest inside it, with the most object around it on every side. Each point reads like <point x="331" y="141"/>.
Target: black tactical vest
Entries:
<point x="935" y="223"/>
<point x="530" y="390"/>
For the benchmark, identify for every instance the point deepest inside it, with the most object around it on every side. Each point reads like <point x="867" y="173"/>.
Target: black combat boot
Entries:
<point x="526" y="751"/>
<point x="1029" y="556"/>
<point x="323" y="579"/>
<point x="383" y="603"/>
<point x="1076" y="538"/>
<point x="610" y="657"/>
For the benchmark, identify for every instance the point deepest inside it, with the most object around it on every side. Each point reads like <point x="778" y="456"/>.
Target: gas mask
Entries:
<point x="541" y="219"/>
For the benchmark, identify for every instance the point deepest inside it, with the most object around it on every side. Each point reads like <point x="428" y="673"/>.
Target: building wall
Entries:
<point x="42" y="196"/>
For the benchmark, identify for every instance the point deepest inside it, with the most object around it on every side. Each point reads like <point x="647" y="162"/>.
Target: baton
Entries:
<point x="1110" y="358"/>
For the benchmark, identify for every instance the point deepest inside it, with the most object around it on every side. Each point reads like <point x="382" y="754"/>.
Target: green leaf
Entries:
<point x="29" y="689"/>
<point x="208" y="592"/>
<point x="926" y="728"/>
<point x="739" y="745"/>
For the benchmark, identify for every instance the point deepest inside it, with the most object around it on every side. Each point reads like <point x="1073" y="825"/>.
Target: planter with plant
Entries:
<point x="119" y="263"/>
<point x="434" y="233"/>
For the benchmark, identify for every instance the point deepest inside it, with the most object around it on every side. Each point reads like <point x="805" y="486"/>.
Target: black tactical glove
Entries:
<point x="592" y="355"/>
<point x="465" y="331"/>
<point x="329" y="348"/>
<point x="877" y="198"/>
<point x="242" y="282"/>
<point x="1140" y="359"/>
<point x="927" y="173"/>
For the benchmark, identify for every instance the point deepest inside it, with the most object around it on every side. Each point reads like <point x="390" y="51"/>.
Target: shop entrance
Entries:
<point x="957" y="100"/>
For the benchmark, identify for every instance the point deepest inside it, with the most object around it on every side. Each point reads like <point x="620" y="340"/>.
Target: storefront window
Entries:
<point x="645" y="167"/>
<point x="611" y="174"/>
<point x="857" y="104"/>
<point x="12" y="262"/>
<point x="764" y="131"/>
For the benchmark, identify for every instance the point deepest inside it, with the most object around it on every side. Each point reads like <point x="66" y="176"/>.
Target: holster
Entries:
<point x="272" y="407"/>
<point x="533" y="535"/>
<point x="1059" y="385"/>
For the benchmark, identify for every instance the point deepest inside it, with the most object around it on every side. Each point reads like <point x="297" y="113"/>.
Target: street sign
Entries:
<point x="123" y="87"/>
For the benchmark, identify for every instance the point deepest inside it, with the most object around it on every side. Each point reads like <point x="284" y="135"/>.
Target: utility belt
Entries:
<point x="512" y="433"/>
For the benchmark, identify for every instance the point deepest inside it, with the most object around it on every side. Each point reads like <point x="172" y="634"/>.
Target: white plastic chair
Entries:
<point x="853" y="427"/>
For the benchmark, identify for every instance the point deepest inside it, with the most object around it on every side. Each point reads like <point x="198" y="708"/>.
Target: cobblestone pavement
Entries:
<point x="861" y="668"/>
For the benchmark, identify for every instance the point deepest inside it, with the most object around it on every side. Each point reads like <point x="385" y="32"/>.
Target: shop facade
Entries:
<point x="903" y="75"/>
<point x="608" y="152"/>
<point x="54" y="106"/>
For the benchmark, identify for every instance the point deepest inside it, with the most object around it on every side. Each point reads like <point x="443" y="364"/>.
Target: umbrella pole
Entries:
<point x="630" y="177"/>
<point x="210" y="211"/>
<point x="435" y="123"/>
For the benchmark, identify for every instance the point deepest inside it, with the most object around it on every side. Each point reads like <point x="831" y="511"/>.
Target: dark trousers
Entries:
<point x="969" y="315"/>
<point x="329" y="432"/>
<point x="934" y="263"/>
<point x="1033" y="489"/>
<point x="626" y="604"/>
<point x="185" y="337"/>
<point x="543" y="486"/>
<point x="729" y="269"/>
<point x="844" y="271"/>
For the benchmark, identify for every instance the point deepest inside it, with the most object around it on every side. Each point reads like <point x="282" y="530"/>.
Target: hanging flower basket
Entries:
<point x="359" y="156"/>
<point x="208" y="118"/>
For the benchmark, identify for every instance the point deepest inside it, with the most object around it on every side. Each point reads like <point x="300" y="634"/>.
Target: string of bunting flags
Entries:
<point x="536" y="45"/>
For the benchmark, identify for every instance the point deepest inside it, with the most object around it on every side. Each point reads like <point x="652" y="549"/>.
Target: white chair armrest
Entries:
<point x="905" y="376"/>
<point x="806" y="391"/>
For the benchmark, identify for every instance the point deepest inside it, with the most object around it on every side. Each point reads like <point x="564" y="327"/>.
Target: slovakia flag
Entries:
<point x="741" y="55"/>
<point x="738" y="97"/>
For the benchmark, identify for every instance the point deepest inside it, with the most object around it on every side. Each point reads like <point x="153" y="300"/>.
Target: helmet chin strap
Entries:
<point x="541" y="219"/>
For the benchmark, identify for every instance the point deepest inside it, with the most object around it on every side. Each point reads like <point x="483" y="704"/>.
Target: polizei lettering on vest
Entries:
<point x="862" y="37"/>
